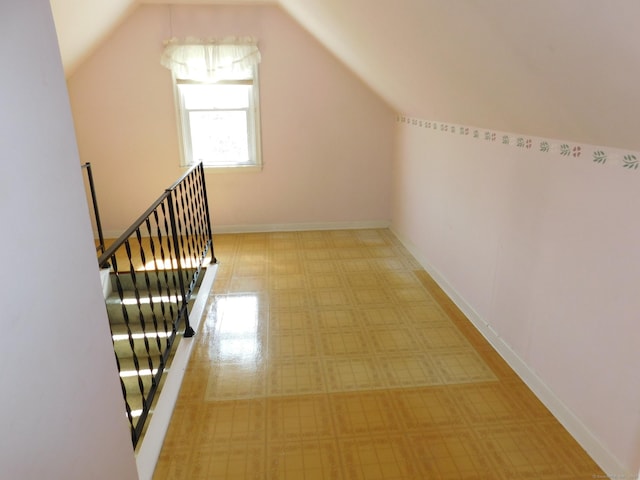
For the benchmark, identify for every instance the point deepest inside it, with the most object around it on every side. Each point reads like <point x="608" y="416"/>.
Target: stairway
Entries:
<point x="151" y="304"/>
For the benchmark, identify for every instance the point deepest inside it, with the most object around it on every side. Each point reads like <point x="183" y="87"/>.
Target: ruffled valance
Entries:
<point x="211" y="60"/>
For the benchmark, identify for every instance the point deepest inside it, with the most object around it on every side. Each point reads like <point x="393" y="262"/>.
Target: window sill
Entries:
<point x="234" y="169"/>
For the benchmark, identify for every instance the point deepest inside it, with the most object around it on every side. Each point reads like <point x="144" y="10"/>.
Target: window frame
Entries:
<point x="253" y="125"/>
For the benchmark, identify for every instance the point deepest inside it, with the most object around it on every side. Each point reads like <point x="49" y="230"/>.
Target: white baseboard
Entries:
<point x="279" y="227"/>
<point x="295" y="227"/>
<point x="607" y="461"/>
<point x="149" y="450"/>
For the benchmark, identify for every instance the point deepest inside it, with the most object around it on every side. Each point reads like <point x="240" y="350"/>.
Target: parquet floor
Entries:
<point x="333" y="355"/>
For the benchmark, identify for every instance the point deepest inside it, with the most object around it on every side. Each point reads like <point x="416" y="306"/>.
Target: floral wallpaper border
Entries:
<point x="598" y="155"/>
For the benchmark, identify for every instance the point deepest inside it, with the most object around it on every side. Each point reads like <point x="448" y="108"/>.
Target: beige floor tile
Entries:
<point x="559" y="440"/>
<point x="350" y="253"/>
<point x="285" y="267"/>
<point x="378" y="458"/>
<point x="333" y="297"/>
<point x="290" y="299"/>
<point x="352" y="373"/>
<point x="250" y="269"/>
<point x="344" y="342"/>
<point x="281" y="321"/>
<point x="452" y="455"/>
<point x="409" y="294"/>
<point x="392" y="264"/>
<point x="299" y="418"/>
<point x="236" y="421"/>
<point x="394" y="340"/>
<point x="381" y="251"/>
<point x="319" y="254"/>
<point x="368" y="296"/>
<point x="522" y="451"/>
<point x="230" y="461"/>
<point x="462" y="366"/>
<point x="486" y="403"/>
<point x="296" y="377"/>
<point x="294" y="281"/>
<point x="415" y="369"/>
<point x="333" y="355"/>
<point x="247" y="284"/>
<point x="305" y="460"/>
<point x="427" y="409"/>
<point x="363" y="279"/>
<point x="320" y="244"/>
<point x="363" y="413"/>
<point x="359" y="265"/>
<point x="494" y="361"/>
<point x="230" y="381"/>
<point x="338" y="318"/>
<point x="443" y="336"/>
<point x="423" y="315"/>
<point x="327" y="280"/>
<point x="384" y="317"/>
<point x="293" y="344"/>
<point x="312" y="267"/>
<point x="291" y="255"/>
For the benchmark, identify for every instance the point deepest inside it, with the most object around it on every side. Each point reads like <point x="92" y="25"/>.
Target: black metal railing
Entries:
<point x="155" y="268"/>
<point x="96" y="211"/>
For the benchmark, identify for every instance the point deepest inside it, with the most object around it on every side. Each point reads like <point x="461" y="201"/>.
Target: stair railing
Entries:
<point x="96" y="211"/>
<point x="155" y="267"/>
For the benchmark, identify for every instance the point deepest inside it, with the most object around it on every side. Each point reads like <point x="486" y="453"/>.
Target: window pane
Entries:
<point x="208" y="97"/>
<point x="219" y="137"/>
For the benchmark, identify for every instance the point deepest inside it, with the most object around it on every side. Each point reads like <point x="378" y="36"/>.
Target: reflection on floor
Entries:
<point x="333" y="355"/>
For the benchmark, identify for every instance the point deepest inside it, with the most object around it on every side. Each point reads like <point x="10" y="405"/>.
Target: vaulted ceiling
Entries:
<point x="566" y="69"/>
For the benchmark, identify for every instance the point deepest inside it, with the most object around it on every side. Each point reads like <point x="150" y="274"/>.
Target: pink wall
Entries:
<point x="540" y="250"/>
<point x="327" y="140"/>
<point x="62" y="414"/>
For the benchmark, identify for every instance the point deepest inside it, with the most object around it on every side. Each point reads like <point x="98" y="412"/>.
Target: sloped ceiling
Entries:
<point x="83" y="24"/>
<point x="565" y="69"/>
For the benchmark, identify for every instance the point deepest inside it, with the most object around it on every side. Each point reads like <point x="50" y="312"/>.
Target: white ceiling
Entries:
<point x="565" y="69"/>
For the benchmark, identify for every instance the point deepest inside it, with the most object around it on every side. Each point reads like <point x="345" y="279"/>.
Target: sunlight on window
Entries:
<point x="219" y="137"/>
<point x="219" y="123"/>
<point x="219" y="97"/>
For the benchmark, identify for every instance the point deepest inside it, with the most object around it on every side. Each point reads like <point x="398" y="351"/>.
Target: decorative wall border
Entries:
<point x="598" y="155"/>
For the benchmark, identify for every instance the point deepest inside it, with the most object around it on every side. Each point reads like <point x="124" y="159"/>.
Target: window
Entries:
<point x="219" y="123"/>
<point x="217" y="98"/>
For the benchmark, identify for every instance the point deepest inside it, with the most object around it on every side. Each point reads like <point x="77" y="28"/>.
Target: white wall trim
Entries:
<point x="149" y="450"/>
<point x="294" y="227"/>
<point x="609" y="463"/>
<point x="279" y="227"/>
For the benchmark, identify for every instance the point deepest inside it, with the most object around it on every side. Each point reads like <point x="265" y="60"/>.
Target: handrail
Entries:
<point x="140" y="220"/>
<point x="155" y="266"/>
<point x="96" y="211"/>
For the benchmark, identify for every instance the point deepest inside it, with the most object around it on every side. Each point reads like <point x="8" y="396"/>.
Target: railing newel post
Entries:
<point x="207" y="213"/>
<point x="184" y="311"/>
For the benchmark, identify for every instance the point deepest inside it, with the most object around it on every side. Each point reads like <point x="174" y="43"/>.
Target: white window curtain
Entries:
<point x="230" y="58"/>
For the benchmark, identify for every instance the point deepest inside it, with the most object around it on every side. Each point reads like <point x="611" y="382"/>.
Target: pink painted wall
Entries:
<point x="327" y="140"/>
<point x="541" y="250"/>
<point x="62" y="414"/>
